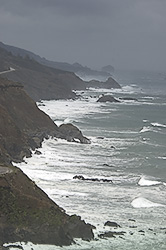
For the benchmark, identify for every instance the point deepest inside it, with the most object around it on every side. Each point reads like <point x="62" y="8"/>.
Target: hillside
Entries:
<point x="26" y="212"/>
<point x="43" y="82"/>
<point x="75" y="67"/>
<point x="40" y="82"/>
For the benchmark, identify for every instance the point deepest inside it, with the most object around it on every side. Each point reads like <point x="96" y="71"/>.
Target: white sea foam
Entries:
<point x="150" y="97"/>
<point x="62" y="192"/>
<point x="162" y="157"/>
<point x="143" y="203"/>
<point x="101" y="90"/>
<point x="68" y="120"/>
<point x="129" y="89"/>
<point x="70" y="110"/>
<point x="145" y="182"/>
<point x="145" y="129"/>
<point x="156" y="124"/>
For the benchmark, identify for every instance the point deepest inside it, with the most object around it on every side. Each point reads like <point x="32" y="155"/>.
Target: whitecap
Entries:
<point x="61" y="192"/>
<point x="162" y="157"/>
<point x="145" y="182"/>
<point x="58" y="122"/>
<point x="145" y="129"/>
<point x="149" y="97"/>
<point x="156" y="124"/>
<point x="68" y="110"/>
<point x="143" y="203"/>
<point x="68" y="120"/>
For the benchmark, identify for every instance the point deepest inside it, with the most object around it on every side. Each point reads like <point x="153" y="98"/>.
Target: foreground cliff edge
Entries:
<point x="26" y="212"/>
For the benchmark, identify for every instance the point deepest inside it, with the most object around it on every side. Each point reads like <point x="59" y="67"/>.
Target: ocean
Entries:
<point x="128" y="146"/>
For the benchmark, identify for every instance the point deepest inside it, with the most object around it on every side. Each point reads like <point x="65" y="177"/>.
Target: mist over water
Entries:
<point x="127" y="146"/>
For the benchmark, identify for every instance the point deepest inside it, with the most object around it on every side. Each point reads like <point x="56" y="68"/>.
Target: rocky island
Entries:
<point x="26" y="212"/>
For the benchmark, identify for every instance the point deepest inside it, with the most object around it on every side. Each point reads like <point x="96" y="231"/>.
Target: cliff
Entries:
<point x="22" y="124"/>
<point x="26" y="212"/>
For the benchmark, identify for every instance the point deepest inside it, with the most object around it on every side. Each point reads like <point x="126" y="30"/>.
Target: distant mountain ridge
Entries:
<point x="75" y="67"/>
<point x="40" y="82"/>
<point x="43" y="82"/>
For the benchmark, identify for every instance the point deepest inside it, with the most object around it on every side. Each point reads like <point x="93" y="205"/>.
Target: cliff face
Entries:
<point x="12" y="139"/>
<point x="22" y="108"/>
<point x="20" y="121"/>
<point x="26" y="212"/>
<point x="23" y="125"/>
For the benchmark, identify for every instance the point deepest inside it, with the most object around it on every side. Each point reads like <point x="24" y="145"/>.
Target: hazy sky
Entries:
<point x="124" y="33"/>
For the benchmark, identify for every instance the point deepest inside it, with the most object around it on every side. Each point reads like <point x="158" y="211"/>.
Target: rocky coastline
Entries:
<point x="43" y="82"/>
<point x="26" y="212"/>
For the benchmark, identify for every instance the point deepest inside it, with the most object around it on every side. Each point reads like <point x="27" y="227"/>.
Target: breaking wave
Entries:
<point x="145" y="182"/>
<point x="145" y="129"/>
<point x="143" y="203"/>
<point x="156" y="124"/>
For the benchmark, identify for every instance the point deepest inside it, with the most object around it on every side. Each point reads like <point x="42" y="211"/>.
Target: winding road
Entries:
<point x="7" y="71"/>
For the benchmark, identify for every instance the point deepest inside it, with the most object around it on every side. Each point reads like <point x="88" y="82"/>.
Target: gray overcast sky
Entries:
<point x="124" y="33"/>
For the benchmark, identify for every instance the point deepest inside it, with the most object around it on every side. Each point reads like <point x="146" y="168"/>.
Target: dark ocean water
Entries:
<point x="128" y="146"/>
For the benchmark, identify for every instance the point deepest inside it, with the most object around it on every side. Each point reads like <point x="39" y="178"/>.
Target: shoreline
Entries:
<point x="26" y="212"/>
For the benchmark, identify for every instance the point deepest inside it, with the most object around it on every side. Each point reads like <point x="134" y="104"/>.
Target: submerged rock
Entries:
<point x="111" y="234"/>
<point x="81" y="177"/>
<point x="111" y="224"/>
<point x="128" y="98"/>
<point x="107" y="98"/>
<point x="37" y="152"/>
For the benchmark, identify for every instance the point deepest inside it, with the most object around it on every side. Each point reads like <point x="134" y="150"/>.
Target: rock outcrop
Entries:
<point x="109" y="84"/>
<point x="72" y="133"/>
<point x="107" y="98"/>
<point x="82" y="178"/>
<point x="111" y="224"/>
